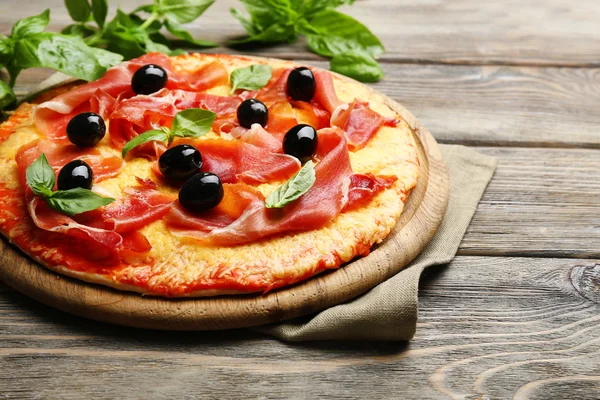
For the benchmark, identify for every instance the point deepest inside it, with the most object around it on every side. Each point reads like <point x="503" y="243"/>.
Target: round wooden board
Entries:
<point x="418" y="223"/>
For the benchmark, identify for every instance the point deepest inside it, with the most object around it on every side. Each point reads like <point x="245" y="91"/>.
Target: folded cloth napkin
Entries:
<point x="389" y="311"/>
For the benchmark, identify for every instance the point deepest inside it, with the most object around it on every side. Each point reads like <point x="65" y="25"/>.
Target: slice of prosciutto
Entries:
<point x="52" y="117"/>
<point x="107" y="232"/>
<point x="244" y="217"/>
<point x="103" y="166"/>
<point x="359" y="122"/>
<point x="235" y="161"/>
<point x="139" y="114"/>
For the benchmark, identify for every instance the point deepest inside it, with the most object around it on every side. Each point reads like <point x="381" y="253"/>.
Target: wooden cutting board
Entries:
<point x="418" y="223"/>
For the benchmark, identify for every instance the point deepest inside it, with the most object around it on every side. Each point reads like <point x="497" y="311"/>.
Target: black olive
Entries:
<point x="301" y="84"/>
<point x="149" y="79"/>
<point x="86" y="129"/>
<point x="300" y="142"/>
<point x="201" y="192"/>
<point x="252" y="111"/>
<point x="180" y="163"/>
<point x="76" y="174"/>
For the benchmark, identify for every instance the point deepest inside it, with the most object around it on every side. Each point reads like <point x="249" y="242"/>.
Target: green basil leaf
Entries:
<point x="340" y="33"/>
<point x="251" y="78"/>
<point x="124" y="36"/>
<point x="106" y="58"/>
<point x="77" y="30"/>
<point x="182" y="11"/>
<point x="30" y="25"/>
<point x="64" y="53"/>
<point x="294" y="188"/>
<point x="100" y="11"/>
<point x="7" y="96"/>
<point x="246" y="23"/>
<point x="265" y="13"/>
<point x="147" y="8"/>
<point x="155" y="135"/>
<point x="40" y="176"/>
<point x="357" y="64"/>
<point x="76" y="201"/>
<point x="310" y="7"/>
<point x="275" y="33"/>
<point x="6" y="50"/>
<point x="79" y="10"/>
<point x="179" y="32"/>
<point x="193" y="122"/>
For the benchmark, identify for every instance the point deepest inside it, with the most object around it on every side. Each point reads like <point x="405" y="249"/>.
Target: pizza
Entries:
<point x="288" y="180"/>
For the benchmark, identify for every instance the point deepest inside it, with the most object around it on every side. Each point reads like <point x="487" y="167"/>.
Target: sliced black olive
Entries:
<point x="76" y="174"/>
<point x="180" y="163"/>
<point x="149" y="79"/>
<point x="86" y="129"/>
<point x="201" y="192"/>
<point x="301" y="84"/>
<point x="301" y="142"/>
<point x="252" y="111"/>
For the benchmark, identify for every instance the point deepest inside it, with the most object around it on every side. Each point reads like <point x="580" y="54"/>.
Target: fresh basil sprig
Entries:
<point x="295" y="187"/>
<point x="353" y="47"/>
<point x="30" y="46"/>
<point x="41" y="179"/>
<point x="131" y="35"/>
<point x="251" y="78"/>
<point x="190" y="123"/>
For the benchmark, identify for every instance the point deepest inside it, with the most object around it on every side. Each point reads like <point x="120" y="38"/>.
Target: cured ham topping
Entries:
<point x="275" y="89"/>
<point x="244" y="217"/>
<point x="359" y="122"/>
<point x="236" y="161"/>
<point x="51" y="117"/>
<point x="102" y="166"/>
<point x="110" y="228"/>
<point x="325" y="93"/>
<point x="364" y="187"/>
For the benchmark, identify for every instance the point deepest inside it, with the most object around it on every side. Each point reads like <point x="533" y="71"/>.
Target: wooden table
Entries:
<point x="516" y="314"/>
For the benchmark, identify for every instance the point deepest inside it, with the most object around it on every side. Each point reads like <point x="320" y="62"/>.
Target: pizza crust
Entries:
<point x="185" y="269"/>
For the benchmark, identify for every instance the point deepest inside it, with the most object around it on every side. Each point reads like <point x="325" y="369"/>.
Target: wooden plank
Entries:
<point x="489" y="327"/>
<point x="484" y="105"/>
<point x="536" y="32"/>
<point x="541" y="202"/>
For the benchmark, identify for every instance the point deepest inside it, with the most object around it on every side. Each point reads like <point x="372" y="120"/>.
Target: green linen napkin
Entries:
<point x="389" y="311"/>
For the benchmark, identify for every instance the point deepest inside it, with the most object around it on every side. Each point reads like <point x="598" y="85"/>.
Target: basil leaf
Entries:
<point x="106" y="58"/>
<point x="76" y="201"/>
<point x="271" y="21"/>
<point x="340" y="33"/>
<point x="251" y="78"/>
<point x="6" y="50"/>
<point x="100" y="11"/>
<point x="276" y="33"/>
<point x="310" y="7"/>
<point x="246" y="23"/>
<point x="193" y="122"/>
<point x="180" y="32"/>
<point x="64" y="53"/>
<point x="182" y="11"/>
<point x="40" y="176"/>
<point x="7" y="96"/>
<point x="77" y="30"/>
<point x="294" y="188"/>
<point x="157" y="135"/>
<point x="79" y="10"/>
<point x="30" y="25"/>
<point x="357" y="64"/>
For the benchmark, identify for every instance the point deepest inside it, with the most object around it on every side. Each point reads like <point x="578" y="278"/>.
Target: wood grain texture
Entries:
<point x="540" y="202"/>
<point x="535" y="32"/>
<point x="481" y="334"/>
